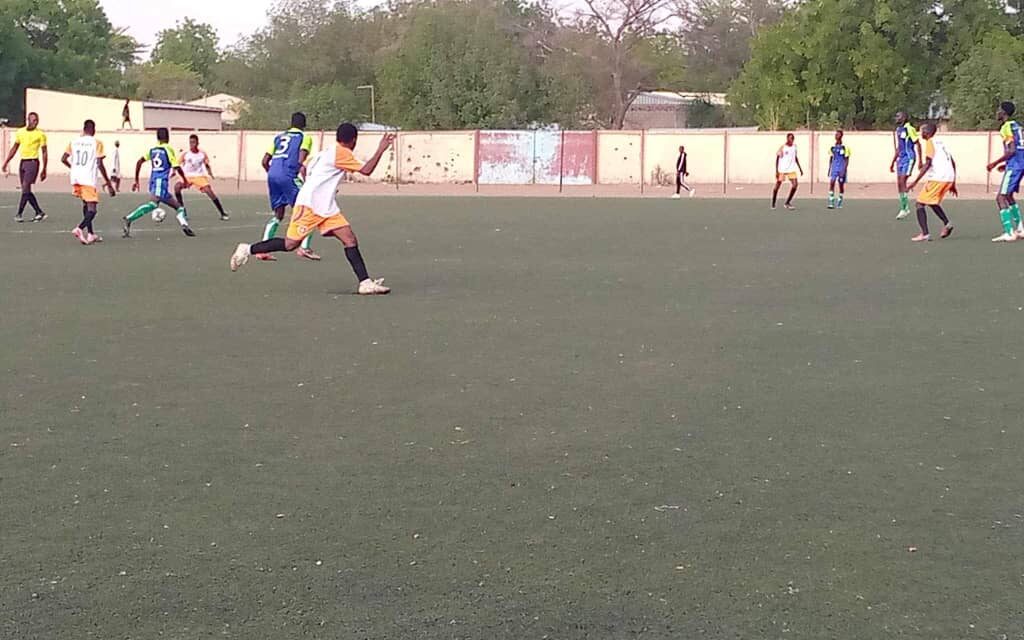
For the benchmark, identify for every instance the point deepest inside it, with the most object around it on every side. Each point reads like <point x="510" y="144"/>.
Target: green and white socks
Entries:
<point x="1010" y="217"/>
<point x="270" y="230"/>
<point x="835" y="201"/>
<point x="904" y="201"/>
<point x="143" y="209"/>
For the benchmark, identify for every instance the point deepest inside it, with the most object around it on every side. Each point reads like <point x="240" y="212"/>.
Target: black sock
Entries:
<point x="942" y="214"/>
<point x="775" y="194"/>
<point x="216" y="203"/>
<point x="792" y="192"/>
<point x="35" y="203"/>
<point x="268" y="246"/>
<point x="22" y="203"/>
<point x="89" y="215"/>
<point x="922" y="219"/>
<point x="356" y="260"/>
<point x="85" y="215"/>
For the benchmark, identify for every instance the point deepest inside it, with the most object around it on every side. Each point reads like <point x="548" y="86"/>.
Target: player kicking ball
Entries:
<point x="84" y="158"/>
<point x="198" y="173"/>
<point x="316" y="208"/>
<point x="164" y="161"/>
<point x="940" y="170"/>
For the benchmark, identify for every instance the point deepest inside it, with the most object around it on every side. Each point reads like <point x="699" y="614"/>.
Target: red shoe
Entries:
<point x="80" y="235"/>
<point x="946" y="231"/>
<point x="266" y="257"/>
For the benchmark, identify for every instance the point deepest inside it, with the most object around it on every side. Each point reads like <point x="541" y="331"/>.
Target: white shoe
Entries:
<point x="370" y="287"/>
<point x="1006" y="237"/>
<point x="675" y="196"/>
<point x="1020" y="231"/>
<point x="693" y="191"/>
<point x="240" y="256"/>
<point x="902" y="214"/>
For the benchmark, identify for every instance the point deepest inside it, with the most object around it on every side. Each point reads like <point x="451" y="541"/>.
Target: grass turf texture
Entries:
<point x="572" y="419"/>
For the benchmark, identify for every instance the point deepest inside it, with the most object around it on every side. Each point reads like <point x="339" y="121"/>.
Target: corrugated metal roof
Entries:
<point x="179" y="106"/>
<point x="678" y="98"/>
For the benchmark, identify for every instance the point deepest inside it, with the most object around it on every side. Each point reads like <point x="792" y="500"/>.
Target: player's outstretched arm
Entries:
<point x="266" y="162"/>
<point x="65" y="159"/>
<point x="209" y="169"/>
<point x="925" y="166"/>
<point x="10" y="156"/>
<point x="106" y="179"/>
<point x="46" y="164"/>
<point x="1009" y="149"/>
<point x="797" y="158"/>
<point x="138" y="170"/>
<point x="371" y="164"/>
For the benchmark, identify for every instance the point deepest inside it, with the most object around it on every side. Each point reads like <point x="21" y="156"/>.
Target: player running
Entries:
<point x="786" y="165"/>
<point x="164" y="161"/>
<point x="940" y="169"/>
<point x="285" y="164"/>
<point x="907" y="145"/>
<point x="316" y="208"/>
<point x="1013" y="158"/>
<point x="198" y="173"/>
<point x="682" y="174"/>
<point x="32" y="143"/>
<point x="84" y="157"/>
<point x="838" y="165"/>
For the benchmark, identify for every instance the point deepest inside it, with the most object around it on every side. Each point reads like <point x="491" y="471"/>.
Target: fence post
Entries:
<point x="398" y="159"/>
<point x="988" y="174"/>
<point x="643" y="153"/>
<point x="594" y="172"/>
<point x="814" y="157"/>
<point x="725" y="163"/>
<point x="241" y="160"/>
<point x="561" y="159"/>
<point x="476" y="160"/>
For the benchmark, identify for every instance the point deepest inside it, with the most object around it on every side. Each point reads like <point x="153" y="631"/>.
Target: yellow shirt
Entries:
<point x="30" y="142"/>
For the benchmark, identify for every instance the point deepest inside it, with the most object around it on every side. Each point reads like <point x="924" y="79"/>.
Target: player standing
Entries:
<point x="838" y="165"/>
<point x="1013" y="157"/>
<point x="164" y="161"/>
<point x="32" y="144"/>
<point x="907" y="145"/>
<point x="115" y="169"/>
<point x="939" y="167"/>
<point x="316" y="208"/>
<point x="84" y="157"/>
<point x="285" y="164"/>
<point x="786" y="165"/>
<point x="682" y="173"/>
<point x="198" y="173"/>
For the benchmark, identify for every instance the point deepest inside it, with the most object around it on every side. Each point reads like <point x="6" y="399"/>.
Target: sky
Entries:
<point x="231" y="18"/>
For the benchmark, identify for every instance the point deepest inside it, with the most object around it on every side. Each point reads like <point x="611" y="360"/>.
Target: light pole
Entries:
<point x="373" y="102"/>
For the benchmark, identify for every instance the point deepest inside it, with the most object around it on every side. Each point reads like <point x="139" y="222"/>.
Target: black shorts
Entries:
<point x="28" y="171"/>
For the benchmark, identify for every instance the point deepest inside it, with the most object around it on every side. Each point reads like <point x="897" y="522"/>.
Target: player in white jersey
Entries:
<point x="316" y="208"/>
<point x="939" y="168"/>
<point x="198" y="173"/>
<point x="84" y="157"/>
<point x="786" y="166"/>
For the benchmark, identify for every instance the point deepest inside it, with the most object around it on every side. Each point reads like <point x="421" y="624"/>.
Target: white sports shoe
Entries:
<point x="675" y="196"/>
<point x="240" y="256"/>
<point x="1020" y="231"/>
<point x="1006" y="237"/>
<point x="902" y="214"/>
<point x="370" y="287"/>
<point x="693" y="191"/>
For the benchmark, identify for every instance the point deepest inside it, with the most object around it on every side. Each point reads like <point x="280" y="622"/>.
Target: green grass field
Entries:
<point x="571" y="419"/>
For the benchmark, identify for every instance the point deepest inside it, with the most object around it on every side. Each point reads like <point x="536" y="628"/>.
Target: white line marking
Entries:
<point x="135" y="230"/>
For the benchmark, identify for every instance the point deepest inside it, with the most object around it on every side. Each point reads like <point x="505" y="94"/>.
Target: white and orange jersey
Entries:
<point x="942" y="169"/>
<point x="194" y="164"/>
<point x="323" y="174"/>
<point x="787" y="158"/>
<point x="84" y="154"/>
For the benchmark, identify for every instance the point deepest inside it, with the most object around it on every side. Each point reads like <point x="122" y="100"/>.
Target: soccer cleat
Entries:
<point x="693" y="191"/>
<point x="187" y="230"/>
<point x="126" y="227"/>
<point x="224" y="217"/>
<point x="789" y="207"/>
<point x="1006" y="237"/>
<point x="839" y="205"/>
<point x="307" y="254"/>
<point x="39" y="217"/>
<point x="240" y="256"/>
<point x="921" y="237"/>
<point x="831" y="206"/>
<point x="902" y="214"/>
<point x="19" y="218"/>
<point x="946" y="231"/>
<point x="80" y="235"/>
<point x="92" y="237"/>
<point x="676" y="196"/>
<point x="370" y="287"/>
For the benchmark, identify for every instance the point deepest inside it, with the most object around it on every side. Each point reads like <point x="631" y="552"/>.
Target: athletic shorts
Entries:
<point x="1011" y="180"/>
<point x="160" y="188"/>
<point x="305" y="222"/>
<point x="28" y="171"/>
<point x="199" y="182"/>
<point x="934" y="192"/>
<point x="905" y="165"/>
<point x="792" y="175"/>
<point x="86" y="192"/>
<point x="838" y="176"/>
<point x="283" y="191"/>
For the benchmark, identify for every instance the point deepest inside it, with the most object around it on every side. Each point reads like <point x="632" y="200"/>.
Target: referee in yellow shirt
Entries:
<point x="32" y="143"/>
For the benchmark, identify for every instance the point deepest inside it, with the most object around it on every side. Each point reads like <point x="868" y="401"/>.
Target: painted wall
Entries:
<point x="446" y="157"/>
<point x="705" y="156"/>
<point x="618" y="157"/>
<point x="67" y="111"/>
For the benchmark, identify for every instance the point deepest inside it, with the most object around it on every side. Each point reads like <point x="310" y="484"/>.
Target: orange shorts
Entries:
<point x="86" y="193"/>
<point x="792" y="175"/>
<point x="199" y="182"/>
<point x="934" y="192"/>
<point x="305" y="222"/>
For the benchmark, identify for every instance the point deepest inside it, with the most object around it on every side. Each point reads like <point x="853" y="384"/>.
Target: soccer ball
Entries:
<point x="159" y="215"/>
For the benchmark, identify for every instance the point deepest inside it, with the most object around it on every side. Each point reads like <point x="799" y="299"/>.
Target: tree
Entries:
<point x="164" y="81"/>
<point x="985" y="78"/>
<point x="189" y="44"/>
<point x="620" y="26"/>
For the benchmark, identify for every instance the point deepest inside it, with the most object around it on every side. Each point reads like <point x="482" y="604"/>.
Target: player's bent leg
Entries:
<point x="367" y="287"/>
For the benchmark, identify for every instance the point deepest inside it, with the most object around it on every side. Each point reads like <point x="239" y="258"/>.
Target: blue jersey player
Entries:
<point x="1012" y="163"/>
<point x="285" y="164"/>
<point x="164" y="162"/>
<point x="907" y="143"/>
<point x="838" y="164"/>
